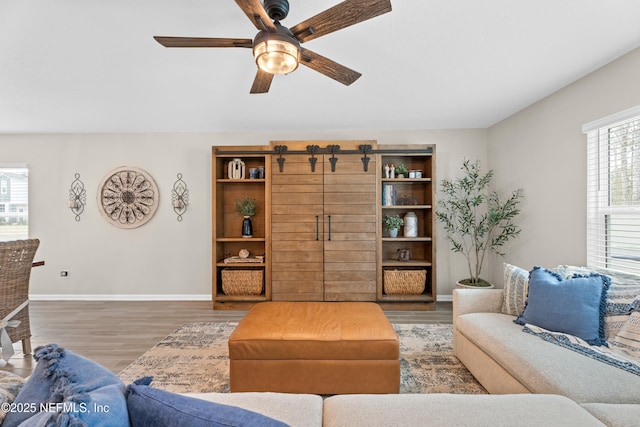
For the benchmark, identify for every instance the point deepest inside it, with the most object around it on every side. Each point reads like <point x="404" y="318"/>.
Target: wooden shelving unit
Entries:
<point x="227" y="224"/>
<point x="410" y="195"/>
<point x="320" y="227"/>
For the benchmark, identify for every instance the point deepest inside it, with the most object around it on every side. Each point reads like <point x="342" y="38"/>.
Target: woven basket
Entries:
<point x="404" y="282"/>
<point x="242" y="282"/>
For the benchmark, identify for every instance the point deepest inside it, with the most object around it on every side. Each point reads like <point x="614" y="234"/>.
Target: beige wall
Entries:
<point x="542" y="150"/>
<point x="164" y="258"/>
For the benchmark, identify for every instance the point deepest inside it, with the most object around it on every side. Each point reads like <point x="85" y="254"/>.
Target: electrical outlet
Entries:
<point x="64" y="273"/>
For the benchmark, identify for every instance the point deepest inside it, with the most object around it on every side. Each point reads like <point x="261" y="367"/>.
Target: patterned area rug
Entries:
<point x="195" y="358"/>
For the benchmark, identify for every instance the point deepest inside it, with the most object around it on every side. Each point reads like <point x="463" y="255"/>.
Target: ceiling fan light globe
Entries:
<point x="277" y="56"/>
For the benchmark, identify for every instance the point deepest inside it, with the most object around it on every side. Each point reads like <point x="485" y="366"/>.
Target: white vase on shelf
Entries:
<point x="410" y="225"/>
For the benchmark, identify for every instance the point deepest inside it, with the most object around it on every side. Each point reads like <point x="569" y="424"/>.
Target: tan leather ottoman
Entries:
<point x="315" y="347"/>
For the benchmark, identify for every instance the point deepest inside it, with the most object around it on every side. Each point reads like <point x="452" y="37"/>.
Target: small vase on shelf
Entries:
<point x="393" y="232"/>
<point x="247" y="227"/>
<point x="410" y="225"/>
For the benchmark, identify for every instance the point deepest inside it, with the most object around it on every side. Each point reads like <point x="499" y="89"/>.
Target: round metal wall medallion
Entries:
<point x="128" y="197"/>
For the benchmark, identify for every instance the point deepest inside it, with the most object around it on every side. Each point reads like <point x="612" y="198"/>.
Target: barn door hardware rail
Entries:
<point x="365" y="149"/>
<point x="313" y="149"/>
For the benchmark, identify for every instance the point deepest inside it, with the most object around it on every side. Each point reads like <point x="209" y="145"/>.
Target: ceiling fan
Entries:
<point x="277" y="49"/>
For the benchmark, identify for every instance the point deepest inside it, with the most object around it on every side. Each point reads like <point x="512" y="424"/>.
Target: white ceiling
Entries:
<point x="93" y="66"/>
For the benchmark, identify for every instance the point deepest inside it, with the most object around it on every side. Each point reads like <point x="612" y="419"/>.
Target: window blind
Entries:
<point x="14" y="202"/>
<point x="613" y="192"/>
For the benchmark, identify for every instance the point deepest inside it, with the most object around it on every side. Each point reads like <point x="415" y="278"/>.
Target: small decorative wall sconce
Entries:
<point x="77" y="197"/>
<point x="179" y="197"/>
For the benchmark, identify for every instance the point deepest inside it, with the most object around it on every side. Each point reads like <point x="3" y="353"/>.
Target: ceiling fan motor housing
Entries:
<point x="276" y="9"/>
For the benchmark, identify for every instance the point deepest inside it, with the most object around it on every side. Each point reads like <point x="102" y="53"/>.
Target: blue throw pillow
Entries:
<point x="158" y="408"/>
<point x="66" y="389"/>
<point x="574" y="306"/>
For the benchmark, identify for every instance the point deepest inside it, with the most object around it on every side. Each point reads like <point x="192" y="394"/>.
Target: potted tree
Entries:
<point x="393" y="224"/>
<point x="247" y="207"/>
<point x="477" y="220"/>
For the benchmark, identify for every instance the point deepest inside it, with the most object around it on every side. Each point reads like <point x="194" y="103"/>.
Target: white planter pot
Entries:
<point x="463" y="286"/>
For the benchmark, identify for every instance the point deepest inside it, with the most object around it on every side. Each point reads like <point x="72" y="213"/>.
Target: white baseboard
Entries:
<point x="177" y="297"/>
<point x="103" y="297"/>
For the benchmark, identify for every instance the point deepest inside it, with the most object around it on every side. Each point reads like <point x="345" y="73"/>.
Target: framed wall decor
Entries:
<point x="128" y="197"/>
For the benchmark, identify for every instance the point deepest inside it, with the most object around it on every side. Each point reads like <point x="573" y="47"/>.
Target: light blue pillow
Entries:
<point x="67" y="389"/>
<point x="158" y="408"/>
<point x="574" y="306"/>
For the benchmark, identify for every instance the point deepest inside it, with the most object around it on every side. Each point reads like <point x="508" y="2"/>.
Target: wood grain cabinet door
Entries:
<point x="297" y="230"/>
<point x="350" y="225"/>
<point x="324" y="229"/>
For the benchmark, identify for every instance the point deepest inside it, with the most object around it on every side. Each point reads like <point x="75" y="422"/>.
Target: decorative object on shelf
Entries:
<point x="476" y="220"/>
<point x="404" y="254"/>
<point x="236" y="169"/>
<point x="128" y="197"/>
<point x="77" y="197"/>
<point x="393" y="223"/>
<point x="179" y="197"/>
<point x="247" y="207"/>
<point x="401" y="171"/>
<point x="404" y="282"/>
<point x="242" y="282"/>
<point x="407" y="200"/>
<point x="410" y="224"/>
<point x="388" y="195"/>
<point x="244" y="257"/>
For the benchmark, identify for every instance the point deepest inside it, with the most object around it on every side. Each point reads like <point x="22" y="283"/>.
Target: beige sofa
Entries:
<point x="506" y="360"/>
<point x="407" y="410"/>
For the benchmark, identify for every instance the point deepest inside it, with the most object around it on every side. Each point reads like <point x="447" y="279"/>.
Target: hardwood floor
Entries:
<point x="115" y="333"/>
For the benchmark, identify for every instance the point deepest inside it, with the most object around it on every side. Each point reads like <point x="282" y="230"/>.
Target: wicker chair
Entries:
<point x="16" y="259"/>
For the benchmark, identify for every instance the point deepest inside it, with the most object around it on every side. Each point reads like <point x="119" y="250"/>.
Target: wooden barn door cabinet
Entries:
<point x="319" y="228"/>
<point x="324" y="224"/>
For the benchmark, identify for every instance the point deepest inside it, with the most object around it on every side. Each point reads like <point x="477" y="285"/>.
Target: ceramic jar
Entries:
<point x="410" y="225"/>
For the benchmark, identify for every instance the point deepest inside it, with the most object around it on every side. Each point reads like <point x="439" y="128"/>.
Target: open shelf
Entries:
<point x="399" y="196"/>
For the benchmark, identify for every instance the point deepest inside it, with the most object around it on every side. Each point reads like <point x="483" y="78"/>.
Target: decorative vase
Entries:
<point x="410" y="225"/>
<point x="247" y="227"/>
<point x="393" y="232"/>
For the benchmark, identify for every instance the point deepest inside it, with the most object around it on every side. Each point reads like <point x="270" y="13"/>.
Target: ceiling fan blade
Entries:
<point x="256" y="14"/>
<point x="329" y="68"/>
<point x="340" y="16"/>
<point x="262" y="82"/>
<point x="202" y="42"/>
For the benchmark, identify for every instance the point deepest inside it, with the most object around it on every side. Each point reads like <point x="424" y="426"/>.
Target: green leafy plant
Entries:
<point x="401" y="169"/>
<point x="247" y="206"/>
<point x="392" y="222"/>
<point x="477" y="220"/>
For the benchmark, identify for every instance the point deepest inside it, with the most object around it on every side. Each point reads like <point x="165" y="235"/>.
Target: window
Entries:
<point x="14" y="202"/>
<point x="613" y="192"/>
